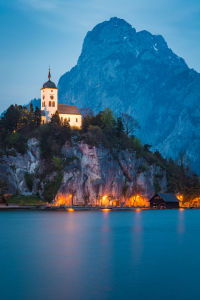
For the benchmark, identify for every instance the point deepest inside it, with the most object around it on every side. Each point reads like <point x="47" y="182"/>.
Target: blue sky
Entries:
<point x="36" y="33"/>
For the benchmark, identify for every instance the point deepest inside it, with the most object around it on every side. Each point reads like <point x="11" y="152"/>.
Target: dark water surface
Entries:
<point x="148" y="254"/>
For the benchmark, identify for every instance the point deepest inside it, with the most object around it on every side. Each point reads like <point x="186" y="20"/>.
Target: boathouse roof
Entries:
<point x="167" y="197"/>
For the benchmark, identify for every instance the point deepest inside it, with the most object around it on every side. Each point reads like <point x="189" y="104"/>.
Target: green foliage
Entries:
<point x="17" y="141"/>
<point x="29" y="177"/>
<point x="52" y="137"/>
<point x="156" y="185"/>
<point x="158" y="176"/>
<point x="12" y="152"/>
<point x="69" y="159"/>
<point x="10" y="119"/>
<point x="37" y="116"/>
<point x="51" y="187"/>
<point x="142" y="168"/>
<point x="16" y="126"/>
<point x="147" y="147"/>
<point x="57" y="162"/>
<point x="26" y="200"/>
<point x="3" y="187"/>
<point x="55" y="119"/>
<point x="125" y="187"/>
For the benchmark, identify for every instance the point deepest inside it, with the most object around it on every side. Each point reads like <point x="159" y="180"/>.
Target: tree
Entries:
<point x="147" y="147"/>
<point x="3" y="188"/>
<point x="10" y="119"/>
<point x="37" y="116"/>
<point x="183" y="160"/>
<point x="130" y="124"/>
<point x="119" y="126"/>
<point x="87" y="111"/>
<point x="55" y="119"/>
<point x="108" y="121"/>
<point x="85" y="123"/>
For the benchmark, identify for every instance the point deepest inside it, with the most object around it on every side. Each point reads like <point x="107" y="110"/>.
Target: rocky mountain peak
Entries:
<point x="137" y="73"/>
<point x="116" y="37"/>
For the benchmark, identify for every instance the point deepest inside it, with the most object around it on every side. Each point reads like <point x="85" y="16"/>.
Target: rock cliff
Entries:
<point x="91" y="174"/>
<point x="136" y="73"/>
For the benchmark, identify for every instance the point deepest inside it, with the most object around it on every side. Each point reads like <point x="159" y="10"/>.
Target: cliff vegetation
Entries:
<point x="102" y="162"/>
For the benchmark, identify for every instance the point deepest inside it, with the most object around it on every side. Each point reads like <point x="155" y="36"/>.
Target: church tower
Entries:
<point x="49" y="99"/>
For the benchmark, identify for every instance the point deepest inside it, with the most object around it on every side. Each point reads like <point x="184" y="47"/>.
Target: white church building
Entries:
<point x="49" y="105"/>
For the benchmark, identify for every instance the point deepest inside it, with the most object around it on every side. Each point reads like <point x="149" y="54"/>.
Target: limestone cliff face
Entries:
<point x="13" y="168"/>
<point x="95" y="173"/>
<point x="137" y="73"/>
<point x="92" y="173"/>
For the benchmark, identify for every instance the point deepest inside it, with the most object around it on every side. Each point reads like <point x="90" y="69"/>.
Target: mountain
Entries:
<point x="136" y="73"/>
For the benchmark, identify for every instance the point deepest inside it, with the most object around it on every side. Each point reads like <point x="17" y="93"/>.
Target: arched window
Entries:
<point x="43" y="97"/>
<point x="51" y="97"/>
<point x="68" y="119"/>
<point x="49" y="103"/>
<point x="53" y="104"/>
<point x="44" y="103"/>
<point x="61" y="119"/>
<point x="76" y="119"/>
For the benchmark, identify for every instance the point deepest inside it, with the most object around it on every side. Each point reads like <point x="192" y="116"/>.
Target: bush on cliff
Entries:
<point x="29" y="180"/>
<point x="51" y="187"/>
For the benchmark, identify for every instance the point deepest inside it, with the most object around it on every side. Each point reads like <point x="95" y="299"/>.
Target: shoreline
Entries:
<point x="80" y="208"/>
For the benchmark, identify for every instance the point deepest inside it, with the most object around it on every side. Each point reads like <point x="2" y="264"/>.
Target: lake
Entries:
<point x="143" y="254"/>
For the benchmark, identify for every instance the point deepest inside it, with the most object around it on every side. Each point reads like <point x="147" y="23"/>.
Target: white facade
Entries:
<point x="74" y="120"/>
<point x="49" y="105"/>
<point x="49" y="101"/>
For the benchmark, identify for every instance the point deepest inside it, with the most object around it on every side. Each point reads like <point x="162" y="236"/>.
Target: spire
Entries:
<point x="49" y="75"/>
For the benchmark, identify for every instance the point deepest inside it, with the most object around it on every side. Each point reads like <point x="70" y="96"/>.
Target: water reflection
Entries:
<point x="181" y="224"/>
<point x="137" y="238"/>
<point x="100" y="255"/>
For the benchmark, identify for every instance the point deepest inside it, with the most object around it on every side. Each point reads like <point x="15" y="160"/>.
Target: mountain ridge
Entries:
<point x="136" y="73"/>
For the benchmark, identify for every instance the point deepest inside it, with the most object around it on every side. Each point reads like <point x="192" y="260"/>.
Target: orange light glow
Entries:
<point x="105" y="200"/>
<point x="138" y="201"/>
<point x="105" y="209"/>
<point x="70" y="209"/>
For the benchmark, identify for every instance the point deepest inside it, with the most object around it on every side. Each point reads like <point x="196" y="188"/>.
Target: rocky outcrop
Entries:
<point x="13" y="168"/>
<point x="90" y="174"/>
<point x="136" y="73"/>
<point x="95" y="172"/>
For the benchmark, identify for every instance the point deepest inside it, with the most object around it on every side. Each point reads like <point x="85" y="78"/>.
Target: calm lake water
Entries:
<point x="147" y="254"/>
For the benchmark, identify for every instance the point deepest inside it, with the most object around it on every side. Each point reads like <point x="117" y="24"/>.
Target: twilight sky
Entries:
<point x="36" y="33"/>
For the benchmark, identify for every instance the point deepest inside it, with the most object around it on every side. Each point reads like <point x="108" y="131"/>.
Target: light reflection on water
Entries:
<point x="143" y="254"/>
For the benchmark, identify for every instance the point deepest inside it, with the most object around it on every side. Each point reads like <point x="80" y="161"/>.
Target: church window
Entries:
<point x="51" y="97"/>
<point x="68" y="119"/>
<point x="49" y="103"/>
<point x="43" y="97"/>
<point x="61" y="119"/>
<point x="51" y="90"/>
<point x="53" y="104"/>
<point x="76" y="119"/>
<point x="44" y="103"/>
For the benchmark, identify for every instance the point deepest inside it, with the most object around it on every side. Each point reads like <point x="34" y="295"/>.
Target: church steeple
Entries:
<point x="49" y="75"/>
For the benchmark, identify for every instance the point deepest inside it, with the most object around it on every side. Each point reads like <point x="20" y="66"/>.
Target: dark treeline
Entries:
<point x="116" y="133"/>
